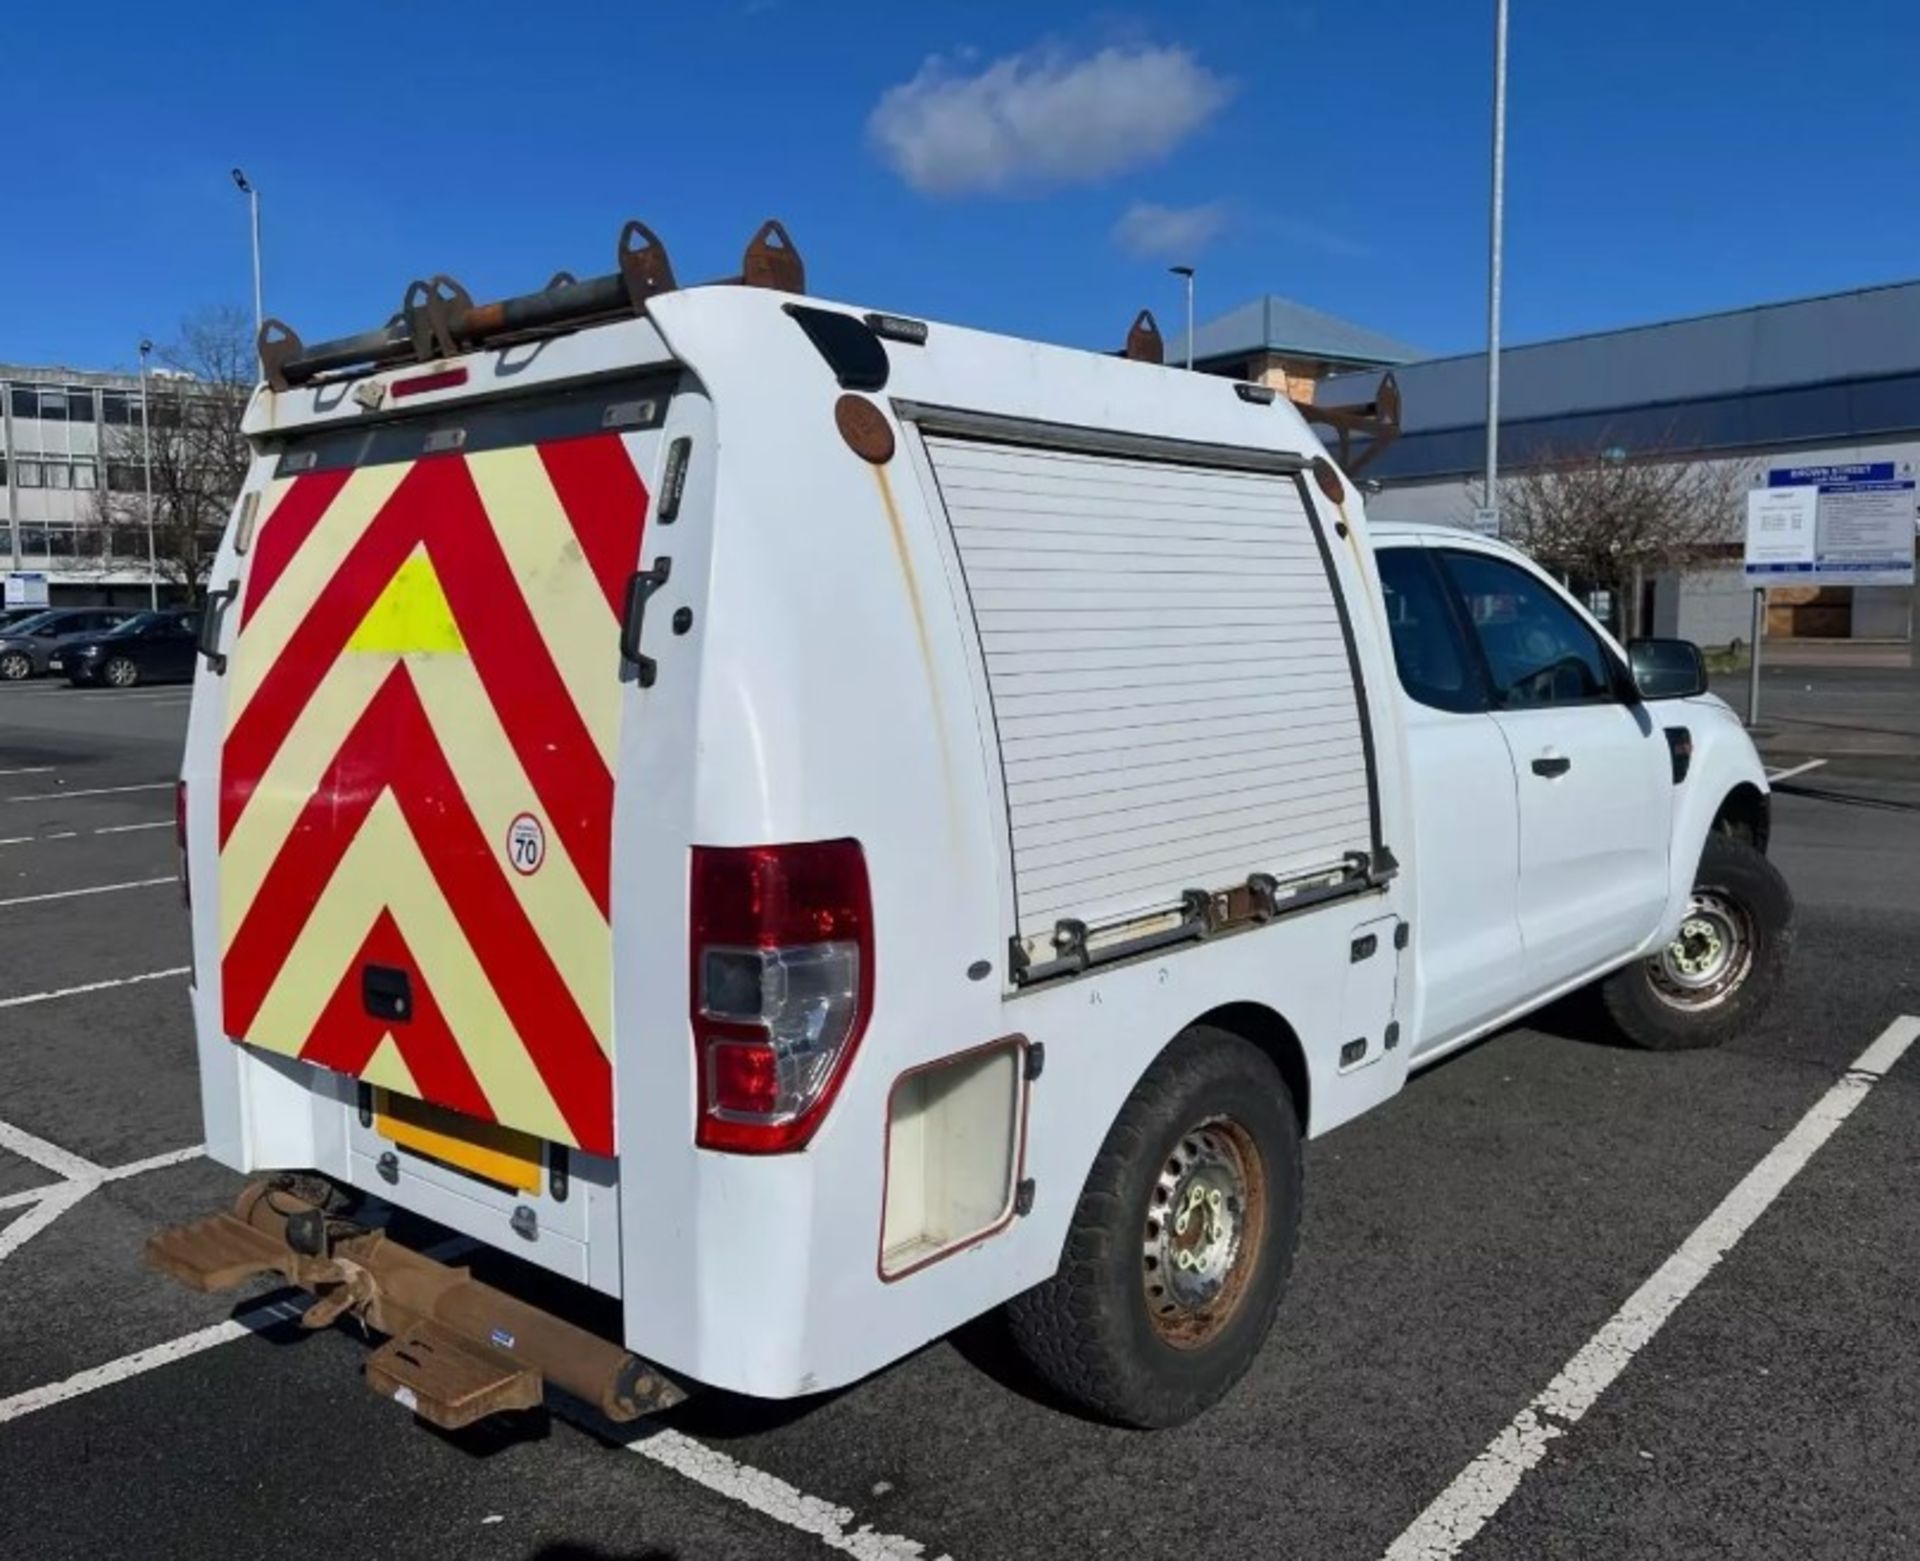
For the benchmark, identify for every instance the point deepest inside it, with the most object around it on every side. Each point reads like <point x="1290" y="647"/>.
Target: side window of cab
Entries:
<point x="1537" y="650"/>
<point x="1430" y="652"/>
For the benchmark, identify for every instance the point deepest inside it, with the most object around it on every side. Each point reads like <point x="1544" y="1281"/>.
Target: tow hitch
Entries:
<point x="457" y="1350"/>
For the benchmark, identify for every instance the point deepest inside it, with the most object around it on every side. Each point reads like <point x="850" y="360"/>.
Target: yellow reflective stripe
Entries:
<point x="383" y="868"/>
<point x="493" y="784"/>
<point x="290" y="782"/>
<point x="265" y="634"/>
<point x="566" y="602"/>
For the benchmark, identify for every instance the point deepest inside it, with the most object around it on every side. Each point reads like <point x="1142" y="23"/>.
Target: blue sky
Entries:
<point x="1023" y="167"/>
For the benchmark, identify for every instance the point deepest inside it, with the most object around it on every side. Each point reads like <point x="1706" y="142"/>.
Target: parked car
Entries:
<point x="12" y="615"/>
<point x="153" y="647"/>
<point x="943" y="846"/>
<point x="28" y="646"/>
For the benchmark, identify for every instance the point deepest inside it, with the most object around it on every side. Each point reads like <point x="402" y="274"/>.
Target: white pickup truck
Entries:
<point x="815" y="825"/>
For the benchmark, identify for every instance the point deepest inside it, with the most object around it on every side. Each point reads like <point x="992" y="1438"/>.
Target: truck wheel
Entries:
<point x="1721" y="971"/>
<point x="1181" y="1243"/>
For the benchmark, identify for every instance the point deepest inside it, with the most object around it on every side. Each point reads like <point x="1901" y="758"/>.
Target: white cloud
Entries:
<point x="1042" y="118"/>
<point x="1148" y="231"/>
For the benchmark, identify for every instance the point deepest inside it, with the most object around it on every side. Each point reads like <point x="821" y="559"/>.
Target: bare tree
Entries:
<point x="1609" y="519"/>
<point x="196" y="398"/>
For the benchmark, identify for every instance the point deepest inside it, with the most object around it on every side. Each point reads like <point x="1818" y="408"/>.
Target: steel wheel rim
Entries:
<point x="14" y="667"/>
<point x="120" y="673"/>
<point x="1709" y="957"/>
<point x="1201" y="1239"/>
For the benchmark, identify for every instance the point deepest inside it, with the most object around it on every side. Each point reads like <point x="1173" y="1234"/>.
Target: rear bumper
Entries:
<point x="458" y="1350"/>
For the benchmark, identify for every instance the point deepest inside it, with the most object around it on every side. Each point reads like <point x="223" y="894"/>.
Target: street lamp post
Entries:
<point x="245" y="187"/>
<point x="1187" y="272"/>
<point x="1492" y="501"/>
<point x="146" y="456"/>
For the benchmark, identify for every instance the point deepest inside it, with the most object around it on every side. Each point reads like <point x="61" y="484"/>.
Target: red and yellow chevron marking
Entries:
<point x="427" y="651"/>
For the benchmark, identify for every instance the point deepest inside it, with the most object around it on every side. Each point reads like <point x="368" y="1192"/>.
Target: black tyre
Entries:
<point x="1181" y="1243"/>
<point x="120" y="672"/>
<point x="16" y="665"/>
<point x="1722" y="970"/>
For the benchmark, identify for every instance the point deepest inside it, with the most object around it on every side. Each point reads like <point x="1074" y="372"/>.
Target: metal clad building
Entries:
<point x="1813" y="381"/>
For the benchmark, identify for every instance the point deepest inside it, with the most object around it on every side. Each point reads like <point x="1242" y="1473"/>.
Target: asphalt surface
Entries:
<point x="1460" y="1245"/>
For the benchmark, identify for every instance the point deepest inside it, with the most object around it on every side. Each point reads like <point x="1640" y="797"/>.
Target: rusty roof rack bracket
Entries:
<point x="1377" y="421"/>
<point x="643" y="265"/>
<point x="434" y="313"/>
<point x="772" y="261"/>
<point x="1143" y="339"/>
<point x="560" y="279"/>
<point x="276" y="344"/>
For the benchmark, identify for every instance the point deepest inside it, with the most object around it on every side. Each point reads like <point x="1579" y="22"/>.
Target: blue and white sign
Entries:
<point x="24" y="588"/>
<point x="1845" y="524"/>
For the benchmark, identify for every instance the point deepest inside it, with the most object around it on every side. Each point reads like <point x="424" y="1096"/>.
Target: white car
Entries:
<point x="817" y="825"/>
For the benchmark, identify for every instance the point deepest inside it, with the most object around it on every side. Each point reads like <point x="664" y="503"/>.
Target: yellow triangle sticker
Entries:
<point x="387" y="1069"/>
<point x="411" y="616"/>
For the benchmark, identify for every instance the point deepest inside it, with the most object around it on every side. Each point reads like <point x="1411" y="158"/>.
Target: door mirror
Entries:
<point x="1667" y="669"/>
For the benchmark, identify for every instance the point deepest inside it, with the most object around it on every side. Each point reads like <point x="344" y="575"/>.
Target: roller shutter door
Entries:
<point x="1169" y="675"/>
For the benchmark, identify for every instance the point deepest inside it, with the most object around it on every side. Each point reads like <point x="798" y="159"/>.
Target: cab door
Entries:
<point x="1466" y="928"/>
<point x="1591" y="772"/>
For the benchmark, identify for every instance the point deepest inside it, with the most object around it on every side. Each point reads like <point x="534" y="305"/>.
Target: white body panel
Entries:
<point x="853" y="667"/>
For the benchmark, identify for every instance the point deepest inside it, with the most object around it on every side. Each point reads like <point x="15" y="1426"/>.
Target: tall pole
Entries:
<point x="246" y="188"/>
<point x="1187" y="272"/>
<point x="146" y="455"/>
<point x="1493" y="259"/>
<point x="1753" y="656"/>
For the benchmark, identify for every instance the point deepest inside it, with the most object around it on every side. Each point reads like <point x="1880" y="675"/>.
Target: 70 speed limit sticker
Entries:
<point x="526" y="843"/>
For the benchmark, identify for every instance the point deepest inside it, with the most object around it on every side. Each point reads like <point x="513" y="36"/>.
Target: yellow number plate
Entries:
<point x="502" y="1155"/>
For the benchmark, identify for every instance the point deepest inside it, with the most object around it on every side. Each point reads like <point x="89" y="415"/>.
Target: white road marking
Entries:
<point x="54" y="1202"/>
<point x="74" y="834"/>
<point x="1481" y="1489"/>
<point x="49" y="1157"/>
<point x="773" y="1498"/>
<point x="31" y="769"/>
<point x="94" y="791"/>
<point x="142" y="1361"/>
<point x="154" y="1162"/>
<point x="74" y="894"/>
<point x="1798" y="769"/>
<point x="752" y="1488"/>
<point x="94" y="986"/>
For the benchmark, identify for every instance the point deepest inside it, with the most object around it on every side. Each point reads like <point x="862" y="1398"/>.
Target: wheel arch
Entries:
<point x="1268" y="1030"/>
<point x="1746" y="813"/>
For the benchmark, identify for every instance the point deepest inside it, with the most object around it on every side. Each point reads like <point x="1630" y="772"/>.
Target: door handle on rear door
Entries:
<point x="211" y="617"/>
<point x="643" y="584"/>
<point x="1552" y="765"/>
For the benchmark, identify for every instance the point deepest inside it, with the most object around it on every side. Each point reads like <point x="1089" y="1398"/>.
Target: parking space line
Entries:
<point x="94" y="986"/>
<point x="772" y="1497"/>
<point x="705" y="1466"/>
<point x="30" y="769"/>
<point x="75" y="834"/>
<point x="153" y="1162"/>
<point x="142" y="1361"/>
<point x="1482" y="1488"/>
<point x="95" y="791"/>
<point x="74" y="894"/>
<point x="52" y="1203"/>
<point x="1798" y="769"/>
<point x="49" y="1157"/>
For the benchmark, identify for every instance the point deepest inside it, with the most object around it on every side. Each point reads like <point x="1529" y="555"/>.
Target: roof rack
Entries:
<point x="438" y="317"/>
<point x="1377" y="421"/>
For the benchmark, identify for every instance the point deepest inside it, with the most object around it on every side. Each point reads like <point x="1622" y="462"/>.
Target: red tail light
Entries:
<point x="180" y="839"/>
<point x="782" y="984"/>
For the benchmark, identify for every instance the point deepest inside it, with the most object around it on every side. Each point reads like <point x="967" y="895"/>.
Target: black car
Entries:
<point x="154" y="647"/>
<point x="29" y="646"/>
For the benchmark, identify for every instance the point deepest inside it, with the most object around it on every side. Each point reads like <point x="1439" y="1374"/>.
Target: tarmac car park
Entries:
<point x="1462" y="1246"/>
